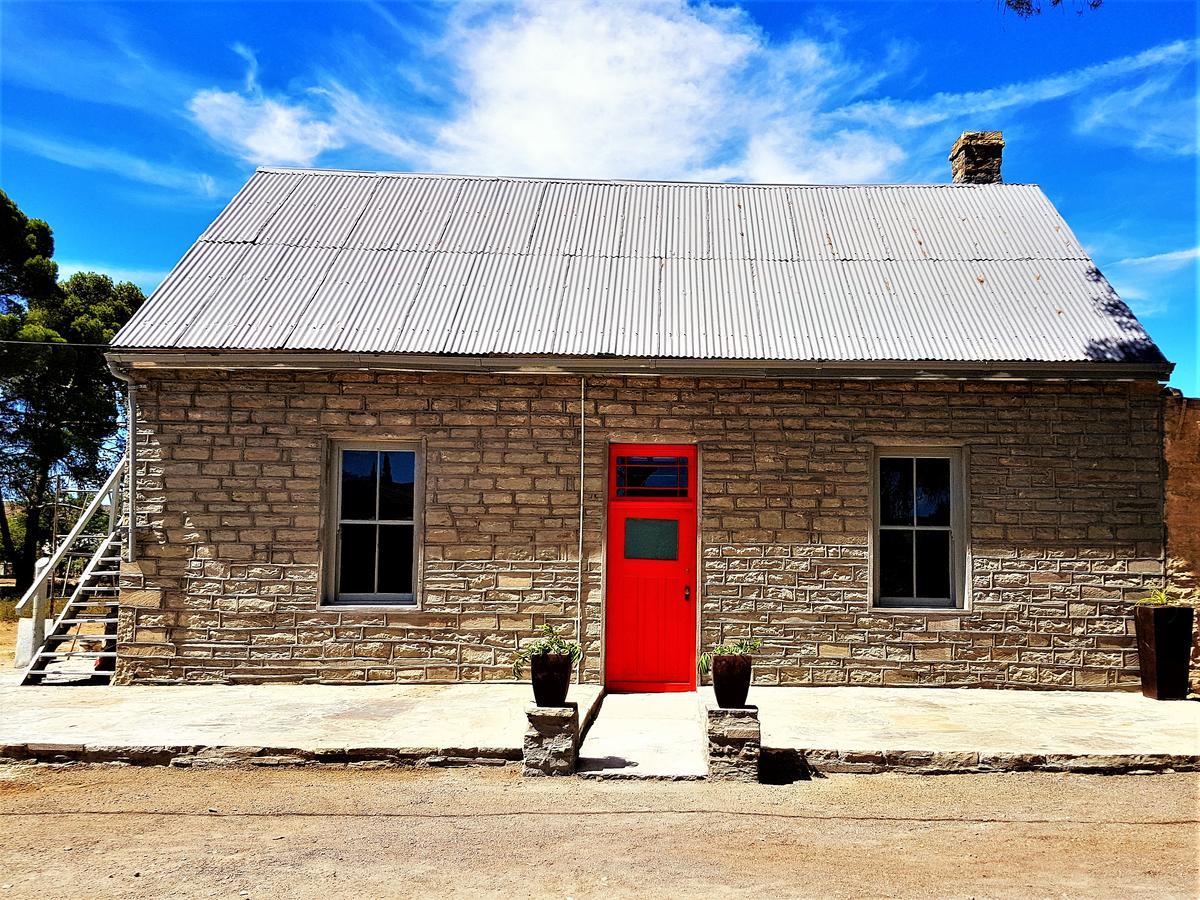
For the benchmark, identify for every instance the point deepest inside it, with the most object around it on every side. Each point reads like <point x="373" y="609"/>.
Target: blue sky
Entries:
<point x="128" y="127"/>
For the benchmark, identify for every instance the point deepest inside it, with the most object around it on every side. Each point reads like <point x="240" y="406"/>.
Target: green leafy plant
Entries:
<point x="548" y="643"/>
<point x="1159" y="597"/>
<point x="740" y="647"/>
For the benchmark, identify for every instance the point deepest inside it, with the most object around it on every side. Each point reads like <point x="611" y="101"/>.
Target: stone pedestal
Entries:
<point x="551" y="744"/>
<point x="26" y="641"/>
<point x="734" y="743"/>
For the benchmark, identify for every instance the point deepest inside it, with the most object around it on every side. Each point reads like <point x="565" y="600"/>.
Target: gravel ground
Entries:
<point x="108" y="831"/>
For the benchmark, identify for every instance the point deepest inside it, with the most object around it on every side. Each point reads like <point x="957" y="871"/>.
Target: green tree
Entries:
<point x="59" y="404"/>
<point x="1027" y="9"/>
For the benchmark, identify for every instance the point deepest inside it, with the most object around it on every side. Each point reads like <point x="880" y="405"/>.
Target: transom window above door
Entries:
<point x="376" y="507"/>
<point x="918" y="545"/>
<point x="652" y="476"/>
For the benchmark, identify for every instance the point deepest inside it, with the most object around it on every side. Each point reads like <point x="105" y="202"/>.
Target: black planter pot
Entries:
<point x="1164" y="639"/>
<point x="731" y="680"/>
<point x="551" y="678"/>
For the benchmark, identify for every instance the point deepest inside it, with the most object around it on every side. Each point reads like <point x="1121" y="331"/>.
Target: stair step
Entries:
<point x="98" y="588"/>
<point x="100" y="619"/>
<point x="79" y="604"/>
<point x="77" y="654"/>
<point x="57" y="640"/>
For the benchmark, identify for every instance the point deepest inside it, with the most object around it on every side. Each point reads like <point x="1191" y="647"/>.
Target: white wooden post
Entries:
<point x="114" y="508"/>
<point x="39" y="605"/>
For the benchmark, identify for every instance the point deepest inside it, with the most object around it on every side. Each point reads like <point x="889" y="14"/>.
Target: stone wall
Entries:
<point x="1182" y="453"/>
<point x="1065" y="484"/>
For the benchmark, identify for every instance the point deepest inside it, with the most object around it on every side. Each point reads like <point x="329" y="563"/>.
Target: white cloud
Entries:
<point x="572" y="89"/>
<point x="1148" y="282"/>
<point x="1168" y="262"/>
<point x="116" y="162"/>
<point x="647" y="89"/>
<point x="643" y="89"/>
<point x="942" y="107"/>
<point x="262" y="129"/>
<point x="1158" y="115"/>
<point x="660" y="90"/>
<point x="98" y="63"/>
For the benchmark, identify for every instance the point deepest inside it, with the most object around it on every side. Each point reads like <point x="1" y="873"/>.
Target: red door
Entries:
<point x="650" y="597"/>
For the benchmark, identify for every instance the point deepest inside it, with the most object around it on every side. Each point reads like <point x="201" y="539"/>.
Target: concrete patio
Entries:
<point x="850" y="729"/>
<point x="459" y="724"/>
<point x="814" y="730"/>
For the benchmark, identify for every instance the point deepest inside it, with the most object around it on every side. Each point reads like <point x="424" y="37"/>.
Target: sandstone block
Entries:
<point x="551" y="744"/>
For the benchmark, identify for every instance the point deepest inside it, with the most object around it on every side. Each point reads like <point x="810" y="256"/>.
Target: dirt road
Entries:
<point x="8" y="641"/>
<point x="121" y="832"/>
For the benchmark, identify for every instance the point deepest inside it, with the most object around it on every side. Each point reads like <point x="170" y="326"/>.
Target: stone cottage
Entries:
<point x="387" y="425"/>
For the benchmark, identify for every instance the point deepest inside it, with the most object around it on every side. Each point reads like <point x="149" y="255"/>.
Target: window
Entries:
<point x="918" y="544"/>
<point x="376" y="525"/>
<point x="652" y="476"/>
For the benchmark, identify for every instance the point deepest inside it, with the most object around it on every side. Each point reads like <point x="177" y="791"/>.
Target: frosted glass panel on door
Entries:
<point x="651" y="539"/>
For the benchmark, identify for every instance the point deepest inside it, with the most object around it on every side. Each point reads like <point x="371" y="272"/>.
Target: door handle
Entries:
<point x="687" y="592"/>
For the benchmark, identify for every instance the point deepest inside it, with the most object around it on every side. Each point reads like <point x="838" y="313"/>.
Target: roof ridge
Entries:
<point x="384" y="173"/>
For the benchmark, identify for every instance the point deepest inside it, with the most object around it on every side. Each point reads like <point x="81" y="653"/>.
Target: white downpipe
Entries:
<point x="131" y="451"/>
<point x="579" y="551"/>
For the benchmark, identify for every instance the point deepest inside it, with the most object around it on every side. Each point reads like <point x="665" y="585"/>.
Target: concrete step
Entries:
<point x="659" y="736"/>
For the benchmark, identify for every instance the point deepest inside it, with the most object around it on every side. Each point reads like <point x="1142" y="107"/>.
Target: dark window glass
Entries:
<point x="395" y="559"/>
<point x="915" y="517"/>
<point x="375" y="551"/>
<point x="933" y="492"/>
<point x="358" y="484"/>
<point x="651" y="539"/>
<point x="933" y="564"/>
<point x="396" y="471"/>
<point x="895" y="563"/>
<point x="896" y="491"/>
<point x="652" y="476"/>
<point x="357" y="574"/>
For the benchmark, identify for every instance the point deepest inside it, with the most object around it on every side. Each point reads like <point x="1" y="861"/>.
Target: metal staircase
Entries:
<point x="77" y="589"/>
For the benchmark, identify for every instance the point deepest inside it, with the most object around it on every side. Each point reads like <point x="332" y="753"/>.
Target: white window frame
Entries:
<point x="334" y="520"/>
<point x="959" y="548"/>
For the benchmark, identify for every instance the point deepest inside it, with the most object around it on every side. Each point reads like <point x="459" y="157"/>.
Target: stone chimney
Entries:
<point x="975" y="157"/>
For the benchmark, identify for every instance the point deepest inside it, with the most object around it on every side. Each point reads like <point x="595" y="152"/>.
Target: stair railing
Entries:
<point x="38" y="592"/>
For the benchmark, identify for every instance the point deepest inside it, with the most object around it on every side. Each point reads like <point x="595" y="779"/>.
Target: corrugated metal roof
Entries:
<point x="393" y="263"/>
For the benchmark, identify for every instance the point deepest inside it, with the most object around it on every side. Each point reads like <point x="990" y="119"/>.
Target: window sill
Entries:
<point x="369" y="607"/>
<point x="923" y="610"/>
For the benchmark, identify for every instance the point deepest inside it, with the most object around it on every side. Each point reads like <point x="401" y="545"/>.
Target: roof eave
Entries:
<point x="1089" y="370"/>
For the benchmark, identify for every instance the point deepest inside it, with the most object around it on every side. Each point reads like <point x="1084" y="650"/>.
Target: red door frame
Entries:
<point x="650" y="641"/>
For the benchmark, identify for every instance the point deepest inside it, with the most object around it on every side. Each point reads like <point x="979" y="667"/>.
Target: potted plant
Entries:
<point x="550" y="660"/>
<point x="1164" y="640"/>
<point x="731" y="666"/>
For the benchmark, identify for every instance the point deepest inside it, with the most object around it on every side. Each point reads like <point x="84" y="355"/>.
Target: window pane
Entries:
<point x="933" y="492"/>
<point x="933" y="564"/>
<point x="651" y="539"/>
<point x="895" y="491"/>
<point x="357" y="560"/>
<point x="895" y="563"/>
<point x="358" y="484"/>
<point x="652" y="476"/>
<point x="396" y="484"/>
<point x="395" y="559"/>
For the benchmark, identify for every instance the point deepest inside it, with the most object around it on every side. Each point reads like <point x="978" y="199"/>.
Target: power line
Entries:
<point x="71" y="344"/>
